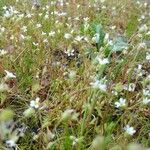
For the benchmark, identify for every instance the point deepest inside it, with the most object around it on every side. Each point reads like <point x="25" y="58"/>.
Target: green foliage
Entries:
<point x="52" y="98"/>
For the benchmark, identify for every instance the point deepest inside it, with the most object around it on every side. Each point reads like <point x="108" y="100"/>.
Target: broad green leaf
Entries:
<point x="120" y="44"/>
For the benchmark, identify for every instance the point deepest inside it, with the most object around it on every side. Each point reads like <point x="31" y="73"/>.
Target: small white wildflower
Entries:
<point x="113" y="27"/>
<point x="146" y="100"/>
<point x="35" y="44"/>
<point x="145" y="4"/>
<point x="2" y="29"/>
<point x="67" y="36"/>
<point x="102" y="61"/>
<point x="45" y="41"/>
<point x="9" y="74"/>
<point x="148" y="33"/>
<point x="86" y="19"/>
<point x="24" y="28"/>
<point x="115" y="93"/>
<point x="46" y="16"/>
<point x="12" y="37"/>
<point x="120" y="103"/>
<point x="77" y="18"/>
<point x="70" y="52"/>
<point x="146" y="92"/>
<point x="2" y="52"/>
<point x="29" y="15"/>
<point x="129" y="130"/>
<point x="98" y="84"/>
<point x="103" y="7"/>
<point x="130" y="87"/>
<point x="62" y="14"/>
<point x="142" y="45"/>
<point x="11" y="143"/>
<point x="35" y="103"/>
<point x="52" y="33"/>
<point x="20" y="16"/>
<point x="74" y="140"/>
<point x="78" y="6"/>
<point x="40" y="14"/>
<point x="38" y="25"/>
<point x="22" y="36"/>
<point x="9" y="12"/>
<point x="143" y="28"/>
<point x="5" y="7"/>
<point x="43" y="33"/>
<point x="148" y="56"/>
<point x="139" y="67"/>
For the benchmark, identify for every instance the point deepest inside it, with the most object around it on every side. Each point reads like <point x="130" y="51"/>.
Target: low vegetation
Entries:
<point x="74" y="75"/>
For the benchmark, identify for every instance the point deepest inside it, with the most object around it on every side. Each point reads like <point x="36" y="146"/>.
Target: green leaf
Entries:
<point x="120" y="44"/>
<point x="100" y="32"/>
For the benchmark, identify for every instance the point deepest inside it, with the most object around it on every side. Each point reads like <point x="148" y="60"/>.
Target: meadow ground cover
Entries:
<point x="74" y="75"/>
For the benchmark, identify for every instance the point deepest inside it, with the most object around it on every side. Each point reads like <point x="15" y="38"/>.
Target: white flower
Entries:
<point x="29" y="15"/>
<point x="45" y="41"/>
<point x="22" y="36"/>
<point x="142" y="45"/>
<point x="74" y="140"/>
<point x="148" y="33"/>
<point x="5" y="7"/>
<point x="11" y="143"/>
<point x="143" y="28"/>
<point x="146" y="100"/>
<point x="2" y="52"/>
<point x="9" y="75"/>
<point x="102" y="61"/>
<point x="67" y="36"/>
<point x="35" y="44"/>
<point x="146" y="92"/>
<point x="12" y="37"/>
<point x="9" y="12"/>
<point x="43" y="33"/>
<point x="129" y="130"/>
<point x="130" y="87"/>
<point x="70" y="52"/>
<point x="24" y="28"/>
<point x="35" y="103"/>
<point x="46" y="16"/>
<point x="148" y="56"/>
<point x="121" y="103"/>
<point x="99" y="84"/>
<point x="113" y="27"/>
<point x="2" y="29"/>
<point x="52" y="33"/>
<point x="38" y="25"/>
<point x="86" y="19"/>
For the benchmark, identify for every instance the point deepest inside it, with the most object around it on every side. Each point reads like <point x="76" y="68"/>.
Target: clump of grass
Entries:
<point x="74" y="75"/>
